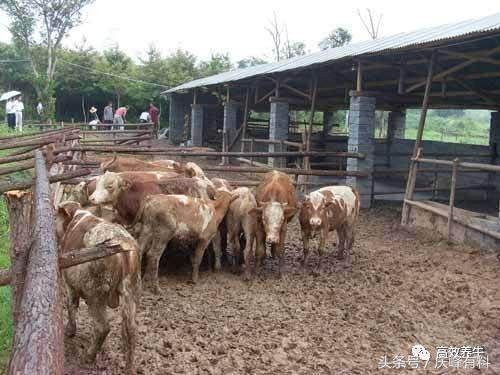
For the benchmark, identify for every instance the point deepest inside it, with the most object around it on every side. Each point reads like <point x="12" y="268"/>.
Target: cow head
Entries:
<point x="108" y="186"/>
<point x="65" y="213"/>
<point x="316" y="208"/>
<point x="273" y="215"/>
<point x="193" y="170"/>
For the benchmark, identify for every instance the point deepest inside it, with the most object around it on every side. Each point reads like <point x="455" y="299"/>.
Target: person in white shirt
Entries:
<point x="19" y="106"/>
<point x="145" y="118"/>
<point x="11" y="113"/>
<point x="39" y="110"/>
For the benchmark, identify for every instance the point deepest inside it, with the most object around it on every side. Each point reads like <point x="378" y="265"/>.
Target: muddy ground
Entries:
<point x="397" y="288"/>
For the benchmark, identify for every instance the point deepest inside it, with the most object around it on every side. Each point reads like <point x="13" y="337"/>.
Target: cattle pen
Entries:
<point x="404" y="283"/>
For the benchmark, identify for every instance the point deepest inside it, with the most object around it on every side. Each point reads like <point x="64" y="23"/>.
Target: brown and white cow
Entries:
<point x="238" y="221"/>
<point x="277" y="205"/>
<point x="193" y="170"/>
<point x="328" y="209"/>
<point x="110" y="281"/>
<point x="164" y="217"/>
<point x="129" y="164"/>
<point x="125" y="191"/>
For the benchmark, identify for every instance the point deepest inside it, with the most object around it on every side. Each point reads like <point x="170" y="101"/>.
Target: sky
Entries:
<point x="238" y="27"/>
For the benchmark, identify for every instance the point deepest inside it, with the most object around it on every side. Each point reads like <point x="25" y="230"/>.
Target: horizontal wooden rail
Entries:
<point x="296" y="171"/>
<point x="390" y="172"/>
<point x="271" y="141"/>
<point x="143" y="137"/>
<point x="465" y="155"/>
<point x="480" y="166"/>
<point x="7" y="186"/>
<point x="39" y="142"/>
<point x="37" y="134"/>
<point x="104" y="132"/>
<point x="162" y="151"/>
<point x="471" y="187"/>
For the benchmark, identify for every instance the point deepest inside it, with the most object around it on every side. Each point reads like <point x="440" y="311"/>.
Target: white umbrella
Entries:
<point x="9" y="94"/>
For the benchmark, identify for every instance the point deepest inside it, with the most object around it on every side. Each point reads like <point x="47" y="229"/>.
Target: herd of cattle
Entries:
<point x="141" y="206"/>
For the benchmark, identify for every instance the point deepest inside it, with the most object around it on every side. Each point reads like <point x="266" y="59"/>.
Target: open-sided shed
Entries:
<point x="448" y="66"/>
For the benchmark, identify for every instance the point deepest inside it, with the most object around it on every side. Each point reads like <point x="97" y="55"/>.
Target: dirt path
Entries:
<point x="397" y="289"/>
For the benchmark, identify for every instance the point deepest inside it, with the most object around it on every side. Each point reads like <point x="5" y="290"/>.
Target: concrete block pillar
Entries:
<point x="396" y="125"/>
<point x="494" y="178"/>
<point x="230" y="126"/>
<point x="361" y="139"/>
<point x="278" y="130"/>
<point x="178" y="110"/>
<point x="327" y="122"/>
<point x="197" y="113"/>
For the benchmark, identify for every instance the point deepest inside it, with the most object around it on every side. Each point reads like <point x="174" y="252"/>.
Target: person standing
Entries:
<point x="19" y="106"/>
<point x="154" y="114"/>
<point x="107" y="116"/>
<point x="11" y="113"/>
<point x="39" y="110"/>
<point x="120" y="117"/>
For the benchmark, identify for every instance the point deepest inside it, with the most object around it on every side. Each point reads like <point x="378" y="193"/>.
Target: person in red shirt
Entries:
<point x="154" y="113"/>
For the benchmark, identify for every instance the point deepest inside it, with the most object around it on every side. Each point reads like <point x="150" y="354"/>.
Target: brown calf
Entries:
<point x="328" y="209"/>
<point x="128" y="164"/>
<point x="277" y="204"/>
<point x="110" y="281"/>
<point x="239" y="220"/>
<point x="164" y="217"/>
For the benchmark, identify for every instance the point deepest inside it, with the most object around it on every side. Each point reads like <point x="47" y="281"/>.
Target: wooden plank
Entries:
<point x="285" y="170"/>
<point x="453" y="186"/>
<point x="39" y="348"/>
<point x="27" y="184"/>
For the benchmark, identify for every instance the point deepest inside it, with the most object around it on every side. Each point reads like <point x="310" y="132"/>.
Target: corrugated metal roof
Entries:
<point x="395" y="42"/>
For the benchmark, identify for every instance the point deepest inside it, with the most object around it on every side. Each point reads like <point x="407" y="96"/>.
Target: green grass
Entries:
<point x="5" y="292"/>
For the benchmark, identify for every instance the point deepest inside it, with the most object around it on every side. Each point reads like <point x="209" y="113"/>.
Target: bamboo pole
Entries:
<point x="453" y="186"/>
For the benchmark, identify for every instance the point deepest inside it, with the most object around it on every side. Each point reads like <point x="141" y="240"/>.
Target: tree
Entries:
<point x="39" y="26"/>
<point x="371" y="24"/>
<point x="337" y="37"/>
<point x="218" y="63"/>
<point x="293" y="49"/>
<point x="250" y="61"/>
<point x="275" y="30"/>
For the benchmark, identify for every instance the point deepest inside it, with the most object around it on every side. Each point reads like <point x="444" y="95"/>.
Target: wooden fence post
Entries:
<point x="38" y="346"/>
<point x="19" y="206"/>
<point x="453" y="186"/>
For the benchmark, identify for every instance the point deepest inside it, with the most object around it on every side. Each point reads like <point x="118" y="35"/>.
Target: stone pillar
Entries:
<point x="361" y="139"/>
<point x="197" y="112"/>
<point x="327" y="122"/>
<point x="230" y="126"/>
<point x="177" y="113"/>
<point x="396" y="124"/>
<point x="278" y="130"/>
<point x="494" y="178"/>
